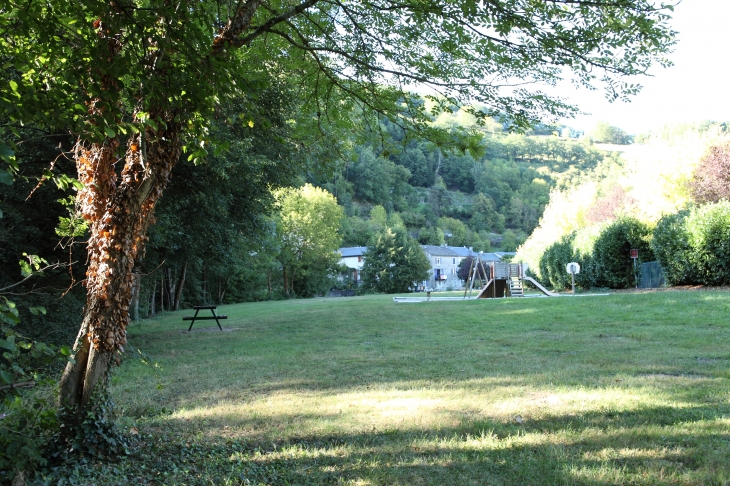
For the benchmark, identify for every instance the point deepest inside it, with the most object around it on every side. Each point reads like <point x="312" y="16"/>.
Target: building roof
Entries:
<point x="491" y="257"/>
<point x="353" y="251"/>
<point x="447" y="251"/>
<point x="439" y="250"/>
<point x="462" y="251"/>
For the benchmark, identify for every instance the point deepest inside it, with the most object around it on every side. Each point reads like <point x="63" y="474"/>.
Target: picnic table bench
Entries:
<point x="196" y="317"/>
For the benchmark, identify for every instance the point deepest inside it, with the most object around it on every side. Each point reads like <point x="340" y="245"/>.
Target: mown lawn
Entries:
<point x="619" y="389"/>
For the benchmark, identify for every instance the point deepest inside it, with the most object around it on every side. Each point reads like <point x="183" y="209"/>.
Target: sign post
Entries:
<point x="634" y="253"/>
<point x="572" y="268"/>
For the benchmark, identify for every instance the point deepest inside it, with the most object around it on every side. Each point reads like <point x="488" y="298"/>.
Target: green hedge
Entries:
<point x="693" y="246"/>
<point x="614" y="267"/>
<point x="709" y="229"/>
<point x="672" y="249"/>
<point x="603" y="253"/>
<point x="553" y="261"/>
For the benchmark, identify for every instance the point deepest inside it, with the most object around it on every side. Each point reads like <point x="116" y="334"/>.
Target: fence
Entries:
<point x="652" y="276"/>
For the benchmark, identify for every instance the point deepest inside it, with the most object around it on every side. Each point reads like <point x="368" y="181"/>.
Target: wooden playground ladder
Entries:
<point x="515" y="280"/>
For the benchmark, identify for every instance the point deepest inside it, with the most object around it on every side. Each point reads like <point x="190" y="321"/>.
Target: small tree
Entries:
<point x="711" y="180"/>
<point x="308" y="226"/>
<point x="394" y="262"/>
<point x="605" y="133"/>
<point x="465" y="269"/>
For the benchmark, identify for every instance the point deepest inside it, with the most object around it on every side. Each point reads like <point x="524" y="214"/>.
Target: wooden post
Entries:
<point x="469" y="277"/>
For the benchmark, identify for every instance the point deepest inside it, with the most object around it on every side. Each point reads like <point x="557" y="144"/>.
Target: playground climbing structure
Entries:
<point x="501" y="279"/>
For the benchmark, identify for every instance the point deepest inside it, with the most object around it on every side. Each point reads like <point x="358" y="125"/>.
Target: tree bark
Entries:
<point x="171" y="282"/>
<point x="286" y="282"/>
<point x="268" y="282"/>
<point x="180" y="285"/>
<point x="153" y="299"/>
<point x="205" y="283"/>
<point x="222" y="288"/>
<point x="136" y="282"/>
<point x="119" y="206"/>
<point x="162" y="291"/>
<point x="119" y="211"/>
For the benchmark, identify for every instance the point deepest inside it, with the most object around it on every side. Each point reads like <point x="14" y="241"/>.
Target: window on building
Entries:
<point x="454" y="261"/>
<point x="359" y="259"/>
<point x="438" y="260"/>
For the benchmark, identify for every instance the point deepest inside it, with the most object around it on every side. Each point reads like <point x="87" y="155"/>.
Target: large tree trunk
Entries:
<point x="119" y="210"/>
<point x="119" y="206"/>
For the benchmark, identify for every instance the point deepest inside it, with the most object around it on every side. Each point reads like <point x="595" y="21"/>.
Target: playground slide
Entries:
<point x="483" y="292"/>
<point x="541" y="288"/>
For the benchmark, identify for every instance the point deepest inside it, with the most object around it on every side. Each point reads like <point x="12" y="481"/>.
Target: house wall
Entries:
<point x="447" y="268"/>
<point x="354" y="263"/>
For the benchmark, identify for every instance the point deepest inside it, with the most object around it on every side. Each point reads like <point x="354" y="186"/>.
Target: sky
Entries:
<point x="695" y="89"/>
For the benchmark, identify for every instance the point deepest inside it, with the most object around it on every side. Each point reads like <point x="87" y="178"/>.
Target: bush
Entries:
<point x="554" y="260"/>
<point x="693" y="246"/>
<point x="709" y="239"/>
<point x="672" y="249"/>
<point x="27" y="417"/>
<point x="603" y="252"/>
<point x="583" y="245"/>
<point x="575" y="247"/>
<point x="611" y="253"/>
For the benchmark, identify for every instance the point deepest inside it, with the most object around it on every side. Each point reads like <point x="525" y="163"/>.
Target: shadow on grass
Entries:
<point x="659" y="445"/>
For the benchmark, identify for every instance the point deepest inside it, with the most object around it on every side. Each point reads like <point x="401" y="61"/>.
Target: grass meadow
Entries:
<point x="618" y="389"/>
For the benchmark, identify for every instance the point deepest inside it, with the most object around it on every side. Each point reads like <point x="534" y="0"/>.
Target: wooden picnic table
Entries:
<point x="196" y="317"/>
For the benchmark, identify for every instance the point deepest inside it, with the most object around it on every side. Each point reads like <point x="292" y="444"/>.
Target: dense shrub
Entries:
<point x="583" y="243"/>
<point x="709" y="239"/>
<point x="575" y="247"/>
<point x="611" y="252"/>
<point x="553" y="261"/>
<point x="671" y="247"/>
<point x="27" y="400"/>
<point x="603" y="252"/>
<point x="693" y="246"/>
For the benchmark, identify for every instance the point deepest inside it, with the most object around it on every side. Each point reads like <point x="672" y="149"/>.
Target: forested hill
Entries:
<point x="486" y="189"/>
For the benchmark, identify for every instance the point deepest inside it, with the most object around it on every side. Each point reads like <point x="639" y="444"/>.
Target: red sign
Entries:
<point x="634" y="253"/>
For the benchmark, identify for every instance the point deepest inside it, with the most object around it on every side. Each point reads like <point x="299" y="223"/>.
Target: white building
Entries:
<point x="444" y="260"/>
<point x="353" y="258"/>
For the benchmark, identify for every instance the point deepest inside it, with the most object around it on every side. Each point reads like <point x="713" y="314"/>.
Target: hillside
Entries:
<point x="486" y="189"/>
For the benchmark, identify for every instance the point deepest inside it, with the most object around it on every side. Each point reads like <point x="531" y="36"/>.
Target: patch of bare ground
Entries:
<point x="210" y="329"/>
